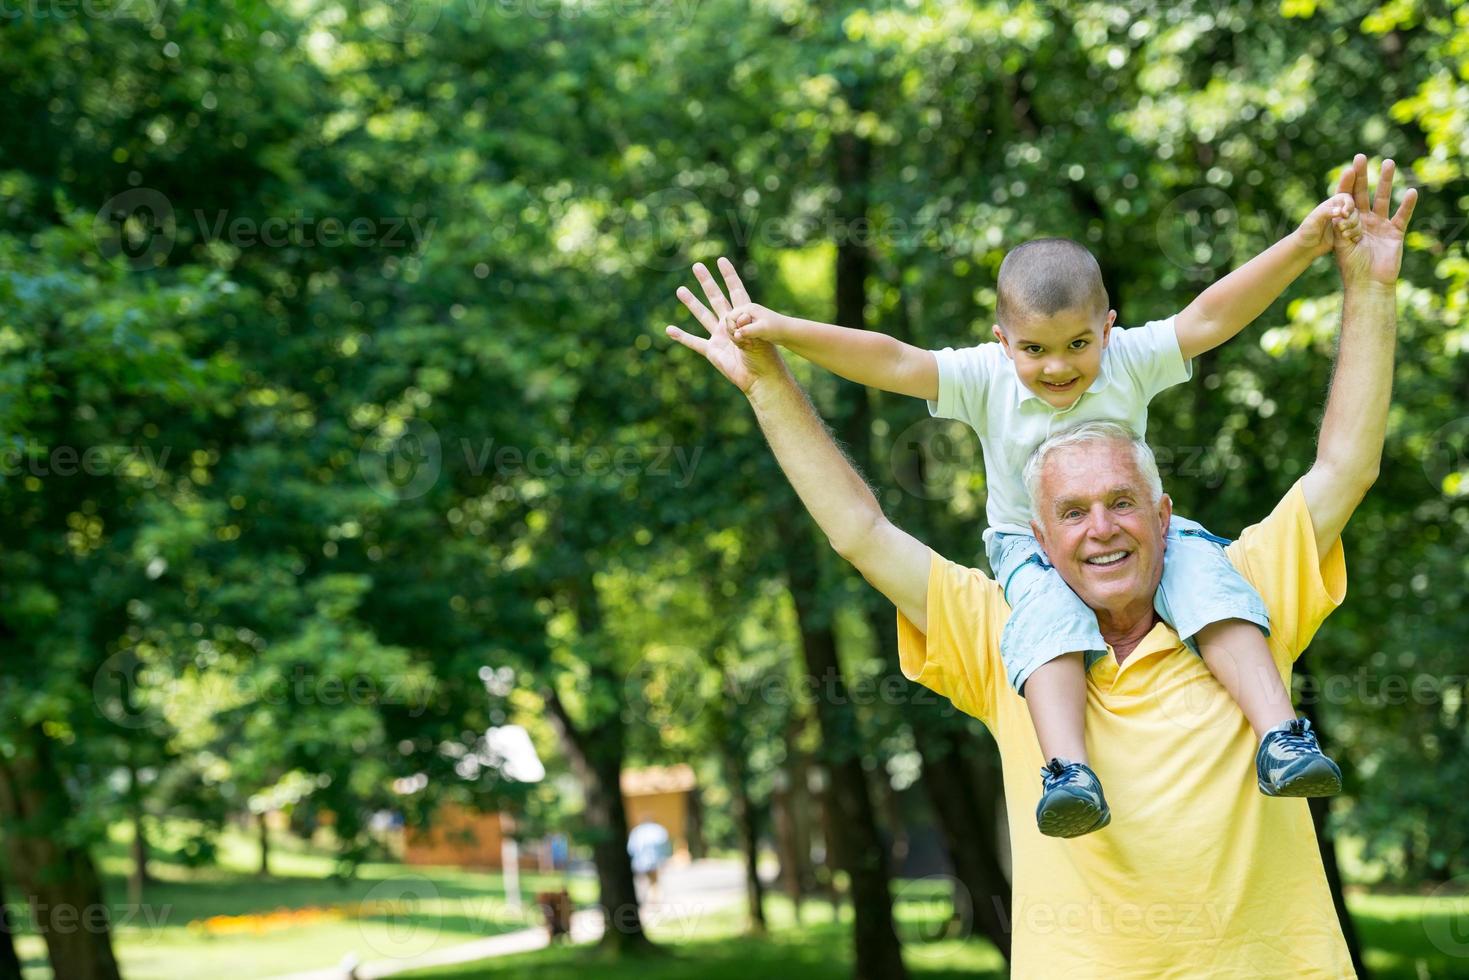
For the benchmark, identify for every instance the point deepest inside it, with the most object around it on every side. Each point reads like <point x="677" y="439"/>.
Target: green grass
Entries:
<point x="1407" y="936"/>
<point x="1413" y="936"/>
<point x="715" y="948"/>
<point x="409" y="911"/>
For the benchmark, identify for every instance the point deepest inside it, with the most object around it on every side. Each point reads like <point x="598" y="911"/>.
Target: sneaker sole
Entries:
<point x="1317" y="781"/>
<point x="1075" y="820"/>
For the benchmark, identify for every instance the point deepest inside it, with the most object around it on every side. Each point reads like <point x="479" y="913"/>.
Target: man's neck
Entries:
<point x="1125" y="629"/>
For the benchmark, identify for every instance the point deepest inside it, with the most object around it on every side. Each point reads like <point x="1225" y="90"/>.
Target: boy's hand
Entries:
<point x="1337" y="215"/>
<point x="751" y="321"/>
<point x="743" y="362"/>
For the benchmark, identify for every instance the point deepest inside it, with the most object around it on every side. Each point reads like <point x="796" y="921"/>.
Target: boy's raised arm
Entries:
<point x="864" y="356"/>
<point x="1232" y="303"/>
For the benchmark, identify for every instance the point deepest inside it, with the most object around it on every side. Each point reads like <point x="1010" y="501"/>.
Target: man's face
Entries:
<point x="1099" y="528"/>
<point x="1058" y="357"/>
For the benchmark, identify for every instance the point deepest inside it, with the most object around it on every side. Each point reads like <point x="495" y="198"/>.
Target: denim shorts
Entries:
<point x="1199" y="587"/>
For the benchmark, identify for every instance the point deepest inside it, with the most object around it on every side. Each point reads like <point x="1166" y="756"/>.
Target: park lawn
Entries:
<point x="1413" y="936"/>
<point x="1408" y="937"/>
<point x="386" y="911"/>
<point x="714" y="947"/>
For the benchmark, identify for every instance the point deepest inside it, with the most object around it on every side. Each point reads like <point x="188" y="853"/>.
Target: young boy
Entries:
<point x="1058" y="361"/>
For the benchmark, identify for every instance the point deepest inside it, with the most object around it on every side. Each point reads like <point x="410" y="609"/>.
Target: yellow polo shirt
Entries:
<point x="1199" y="874"/>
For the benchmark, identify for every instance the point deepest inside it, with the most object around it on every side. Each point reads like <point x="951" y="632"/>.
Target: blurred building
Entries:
<point x="466" y="838"/>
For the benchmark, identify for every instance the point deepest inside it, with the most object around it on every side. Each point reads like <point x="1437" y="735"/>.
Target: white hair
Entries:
<point x="1085" y="434"/>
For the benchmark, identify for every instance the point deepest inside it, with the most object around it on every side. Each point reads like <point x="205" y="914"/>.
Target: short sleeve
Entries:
<point x="964" y="383"/>
<point x="1151" y="356"/>
<point x="1299" y="586"/>
<point x="959" y="657"/>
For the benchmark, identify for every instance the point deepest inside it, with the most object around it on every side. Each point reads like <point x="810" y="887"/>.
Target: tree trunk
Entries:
<point x="854" y="840"/>
<point x="960" y="778"/>
<point x="963" y="806"/>
<point x="890" y="818"/>
<point x="966" y="815"/>
<point x="745" y="821"/>
<point x="729" y="732"/>
<point x="596" y="757"/>
<point x="698" y="849"/>
<point x="139" y="878"/>
<point x="264" y="835"/>
<point x="9" y="961"/>
<point x="852" y="837"/>
<point x="58" y="880"/>
<point x="791" y="819"/>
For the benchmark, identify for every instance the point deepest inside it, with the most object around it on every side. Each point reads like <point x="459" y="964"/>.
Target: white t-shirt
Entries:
<point x="978" y="385"/>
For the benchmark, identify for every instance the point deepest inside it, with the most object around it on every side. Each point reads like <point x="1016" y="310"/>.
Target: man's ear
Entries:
<point x="1004" y="343"/>
<point x="1040" y="537"/>
<point x="1165" y="512"/>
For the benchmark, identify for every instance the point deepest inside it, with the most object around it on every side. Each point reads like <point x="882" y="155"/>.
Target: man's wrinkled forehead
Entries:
<point x="1080" y="474"/>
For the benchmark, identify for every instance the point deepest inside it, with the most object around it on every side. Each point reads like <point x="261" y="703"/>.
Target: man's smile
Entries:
<point x="1109" y="559"/>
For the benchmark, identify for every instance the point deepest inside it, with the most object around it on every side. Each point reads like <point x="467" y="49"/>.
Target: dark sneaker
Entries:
<point x="1291" y="763"/>
<point x="1071" y="803"/>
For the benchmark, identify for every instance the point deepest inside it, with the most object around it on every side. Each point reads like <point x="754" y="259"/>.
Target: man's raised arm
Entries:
<point x="1349" y="448"/>
<point x="829" y="486"/>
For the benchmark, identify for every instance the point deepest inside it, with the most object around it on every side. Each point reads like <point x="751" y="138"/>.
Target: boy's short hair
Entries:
<point x="1044" y="277"/>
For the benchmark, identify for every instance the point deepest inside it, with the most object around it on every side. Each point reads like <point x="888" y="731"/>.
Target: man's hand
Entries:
<point x="1375" y="255"/>
<point x="1337" y="215"/>
<point x="742" y="361"/>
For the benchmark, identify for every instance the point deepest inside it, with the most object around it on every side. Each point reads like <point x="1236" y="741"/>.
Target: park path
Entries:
<point x="687" y="894"/>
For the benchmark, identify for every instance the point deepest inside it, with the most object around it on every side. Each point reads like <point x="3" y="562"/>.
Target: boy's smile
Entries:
<point x="1058" y="357"/>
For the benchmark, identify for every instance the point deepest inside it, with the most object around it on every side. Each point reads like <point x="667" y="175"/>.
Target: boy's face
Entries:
<point x="1059" y="356"/>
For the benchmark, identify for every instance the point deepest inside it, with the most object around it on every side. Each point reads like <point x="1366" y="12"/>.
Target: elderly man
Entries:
<point x="1202" y="876"/>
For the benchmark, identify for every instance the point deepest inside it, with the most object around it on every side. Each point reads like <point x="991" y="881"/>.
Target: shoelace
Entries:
<point x="1298" y="739"/>
<point x="1057" y="774"/>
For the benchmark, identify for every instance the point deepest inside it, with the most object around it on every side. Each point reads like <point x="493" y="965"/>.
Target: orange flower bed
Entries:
<point x="257" y="923"/>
